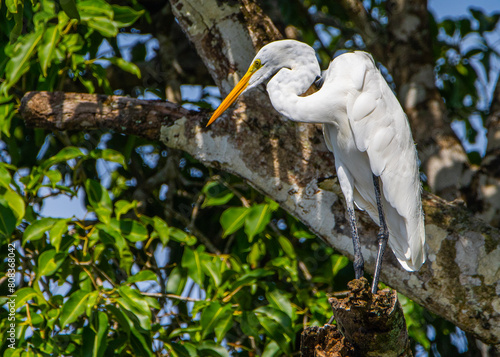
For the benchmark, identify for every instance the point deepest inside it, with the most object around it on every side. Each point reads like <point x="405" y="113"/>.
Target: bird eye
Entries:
<point x="255" y="65"/>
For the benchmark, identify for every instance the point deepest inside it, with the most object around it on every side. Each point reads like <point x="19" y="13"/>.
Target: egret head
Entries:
<point x="238" y="89"/>
<point x="269" y="60"/>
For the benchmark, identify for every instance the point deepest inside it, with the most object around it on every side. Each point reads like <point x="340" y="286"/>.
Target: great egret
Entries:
<point x="365" y="128"/>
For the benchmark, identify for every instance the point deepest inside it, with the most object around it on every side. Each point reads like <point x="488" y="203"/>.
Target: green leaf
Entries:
<point x="104" y="26"/>
<point x="302" y="234"/>
<point x="67" y="153"/>
<point x="126" y="66"/>
<point x="99" y="199"/>
<point x="162" y="229"/>
<point x="122" y="207"/>
<point x="5" y="178"/>
<point x="275" y="332"/>
<point x="181" y="236"/>
<point x="7" y="112"/>
<point x="73" y="308"/>
<point x="210" y="349"/>
<point x="213" y="270"/>
<point x="18" y="23"/>
<point x="49" y="261"/>
<point x="251" y="277"/>
<point x="93" y="8"/>
<point x="272" y="349"/>
<point x="94" y="341"/>
<point x="7" y="221"/>
<point x="143" y="275"/>
<point x="46" y="50"/>
<point x="22" y="52"/>
<point x="54" y="176"/>
<point x="257" y="220"/>
<point x="69" y="7"/>
<point x="71" y="43"/>
<point x="132" y="230"/>
<point x="92" y="299"/>
<point x="176" y="281"/>
<point x="224" y="325"/>
<point x="273" y="205"/>
<point x="279" y="301"/>
<point x="109" y="155"/>
<point x="287" y="246"/>
<point x="338" y="262"/>
<point x="100" y="341"/>
<point x="12" y="5"/>
<point x="448" y="26"/>
<point x="280" y="317"/>
<point x="110" y="235"/>
<point x="216" y="194"/>
<point x="125" y="16"/>
<point x="132" y="301"/>
<point x="182" y="349"/>
<point x="37" y="229"/>
<point x="217" y="201"/>
<point x="233" y="219"/>
<point x="256" y="253"/>
<point x="191" y="260"/>
<point x="212" y="316"/>
<point x="250" y="324"/>
<point x="56" y="233"/>
<point x="24" y="295"/>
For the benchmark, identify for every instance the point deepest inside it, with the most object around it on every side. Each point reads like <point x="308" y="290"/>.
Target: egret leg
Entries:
<point x="359" y="263"/>
<point x="382" y="237"/>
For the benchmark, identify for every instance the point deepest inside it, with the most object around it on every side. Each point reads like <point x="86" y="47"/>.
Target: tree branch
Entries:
<point x="459" y="280"/>
<point x="366" y="325"/>
<point x="78" y="111"/>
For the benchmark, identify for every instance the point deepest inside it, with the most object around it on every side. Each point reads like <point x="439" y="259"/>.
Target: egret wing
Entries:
<point x="380" y="128"/>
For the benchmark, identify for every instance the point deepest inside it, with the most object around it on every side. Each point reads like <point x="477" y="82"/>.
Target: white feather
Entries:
<point x="364" y="126"/>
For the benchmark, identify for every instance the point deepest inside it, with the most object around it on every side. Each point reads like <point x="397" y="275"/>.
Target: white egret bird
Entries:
<point x="365" y="128"/>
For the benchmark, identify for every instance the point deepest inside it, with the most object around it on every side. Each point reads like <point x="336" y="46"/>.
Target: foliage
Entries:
<point x="463" y="69"/>
<point x="171" y="257"/>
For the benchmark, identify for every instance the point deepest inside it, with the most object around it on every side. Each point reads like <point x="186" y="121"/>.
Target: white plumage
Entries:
<point x="364" y="126"/>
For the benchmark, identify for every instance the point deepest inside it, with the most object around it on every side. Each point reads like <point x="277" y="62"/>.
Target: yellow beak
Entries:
<point x="233" y="95"/>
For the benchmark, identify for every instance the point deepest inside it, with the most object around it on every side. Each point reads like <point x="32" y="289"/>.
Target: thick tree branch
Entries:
<point x="460" y="280"/>
<point x="78" y="111"/>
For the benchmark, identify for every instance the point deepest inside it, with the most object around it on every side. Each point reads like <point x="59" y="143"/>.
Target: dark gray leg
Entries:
<point x="359" y="263"/>
<point x="382" y="237"/>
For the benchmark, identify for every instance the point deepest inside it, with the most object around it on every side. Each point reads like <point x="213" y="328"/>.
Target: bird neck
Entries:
<point x="286" y="91"/>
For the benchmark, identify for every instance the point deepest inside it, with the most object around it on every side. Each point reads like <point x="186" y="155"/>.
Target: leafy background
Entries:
<point x="172" y="257"/>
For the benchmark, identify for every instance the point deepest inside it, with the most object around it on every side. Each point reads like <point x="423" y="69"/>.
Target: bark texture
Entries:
<point x="461" y="279"/>
<point x="367" y="325"/>
<point x="326" y="341"/>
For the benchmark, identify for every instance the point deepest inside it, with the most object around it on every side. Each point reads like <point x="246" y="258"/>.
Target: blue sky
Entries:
<point x="446" y="8"/>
